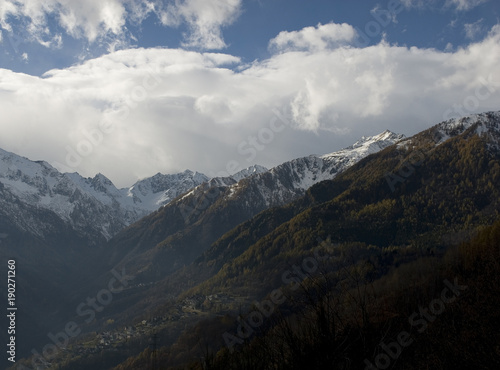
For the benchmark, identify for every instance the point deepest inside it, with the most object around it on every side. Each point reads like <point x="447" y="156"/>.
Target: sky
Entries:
<point x="130" y="88"/>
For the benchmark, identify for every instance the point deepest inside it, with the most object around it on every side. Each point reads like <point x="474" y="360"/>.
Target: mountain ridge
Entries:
<point x="75" y="199"/>
<point x="176" y="234"/>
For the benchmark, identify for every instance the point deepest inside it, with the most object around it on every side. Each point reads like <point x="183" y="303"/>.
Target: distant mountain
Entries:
<point x="93" y="207"/>
<point x="180" y="231"/>
<point x="290" y="180"/>
<point x="153" y="192"/>
<point x="484" y="125"/>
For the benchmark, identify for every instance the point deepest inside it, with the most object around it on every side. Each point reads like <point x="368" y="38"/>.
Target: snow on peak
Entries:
<point x="388" y="135"/>
<point x="158" y="190"/>
<point x="101" y="183"/>
<point x="289" y="180"/>
<point x="252" y="170"/>
<point x="366" y="145"/>
<point x="92" y="203"/>
<point x="487" y="122"/>
<point x="85" y="203"/>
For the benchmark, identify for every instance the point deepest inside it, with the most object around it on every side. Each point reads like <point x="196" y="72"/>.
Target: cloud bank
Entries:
<point x="135" y="112"/>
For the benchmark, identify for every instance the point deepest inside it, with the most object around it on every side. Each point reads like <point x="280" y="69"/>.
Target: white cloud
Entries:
<point x="173" y="109"/>
<point x="321" y="37"/>
<point x="459" y="5"/>
<point x="6" y="8"/>
<point x="420" y="4"/>
<point x="97" y="19"/>
<point x="88" y="19"/>
<point x="465" y="5"/>
<point x="472" y="30"/>
<point x="204" y="18"/>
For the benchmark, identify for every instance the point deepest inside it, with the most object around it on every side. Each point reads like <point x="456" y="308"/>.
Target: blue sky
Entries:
<point x="188" y="83"/>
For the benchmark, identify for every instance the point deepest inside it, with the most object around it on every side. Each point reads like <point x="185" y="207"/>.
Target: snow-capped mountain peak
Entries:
<point x="327" y="166"/>
<point x="486" y="123"/>
<point x="252" y="170"/>
<point x="368" y="145"/>
<point x="158" y="190"/>
<point x="289" y="180"/>
<point x="90" y="206"/>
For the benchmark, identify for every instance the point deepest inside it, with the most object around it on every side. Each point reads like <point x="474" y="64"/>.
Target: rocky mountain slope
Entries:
<point x="177" y="234"/>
